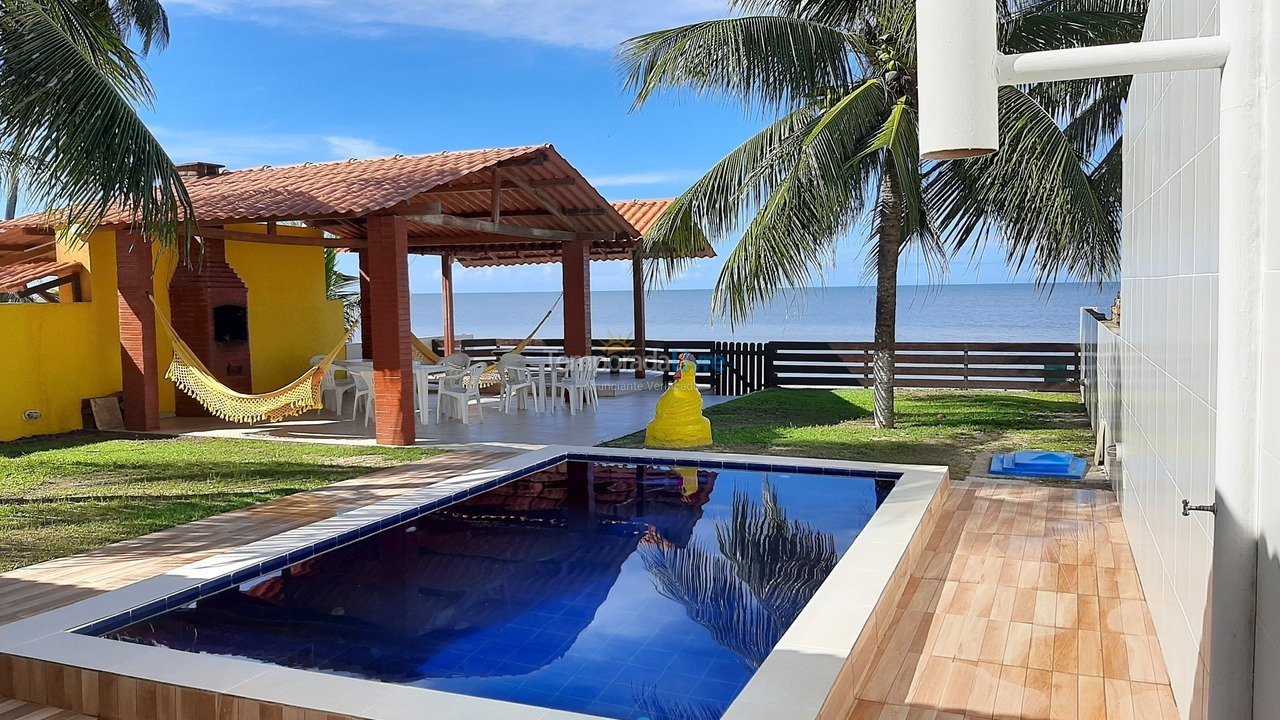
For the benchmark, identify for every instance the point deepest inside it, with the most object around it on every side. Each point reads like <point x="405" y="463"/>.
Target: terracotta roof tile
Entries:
<point x="642" y="213"/>
<point x="14" y="278"/>
<point x="343" y="187"/>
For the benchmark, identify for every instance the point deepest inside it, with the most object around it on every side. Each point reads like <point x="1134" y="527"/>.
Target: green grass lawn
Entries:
<point x="933" y="428"/>
<point x="67" y="494"/>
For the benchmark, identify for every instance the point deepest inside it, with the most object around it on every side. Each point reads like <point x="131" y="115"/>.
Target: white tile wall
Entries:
<point x="1167" y="348"/>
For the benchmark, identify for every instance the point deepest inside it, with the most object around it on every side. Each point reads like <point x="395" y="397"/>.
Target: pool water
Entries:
<point x="614" y="590"/>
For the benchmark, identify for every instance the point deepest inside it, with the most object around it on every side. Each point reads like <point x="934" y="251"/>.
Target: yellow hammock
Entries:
<point x="422" y="353"/>
<point x="191" y="376"/>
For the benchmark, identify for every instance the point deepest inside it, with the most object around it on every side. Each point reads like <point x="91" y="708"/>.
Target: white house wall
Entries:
<point x="1168" y="342"/>
<point x="1267" y="653"/>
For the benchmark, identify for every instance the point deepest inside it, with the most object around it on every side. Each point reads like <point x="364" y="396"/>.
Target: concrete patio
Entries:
<point x="617" y="416"/>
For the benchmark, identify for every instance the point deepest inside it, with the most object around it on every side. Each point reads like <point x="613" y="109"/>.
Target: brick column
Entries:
<point x="139" y="366"/>
<point x="366" y="335"/>
<point x="576" y="266"/>
<point x="388" y="315"/>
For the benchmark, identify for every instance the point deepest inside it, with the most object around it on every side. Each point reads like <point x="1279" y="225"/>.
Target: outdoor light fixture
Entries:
<point x="961" y="70"/>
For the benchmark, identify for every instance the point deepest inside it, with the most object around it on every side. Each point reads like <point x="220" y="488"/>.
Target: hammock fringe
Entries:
<point x="191" y="376"/>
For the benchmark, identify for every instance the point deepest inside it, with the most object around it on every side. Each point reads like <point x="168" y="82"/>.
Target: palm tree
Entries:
<point x="767" y="569"/>
<point x="69" y="87"/>
<point x="341" y="286"/>
<point x="837" y="81"/>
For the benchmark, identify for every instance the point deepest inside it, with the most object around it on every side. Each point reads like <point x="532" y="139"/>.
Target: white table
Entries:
<point x="548" y="369"/>
<point x="422" y="379"/>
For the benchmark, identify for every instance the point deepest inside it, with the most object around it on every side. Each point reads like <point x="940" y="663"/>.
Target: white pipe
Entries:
<point x="1235" y="528"/>
<point x="958" y="92"/>
<point x="1207" y="53"/>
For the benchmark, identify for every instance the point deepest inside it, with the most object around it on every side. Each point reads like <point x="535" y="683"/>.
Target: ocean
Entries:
<point x="950" y="313"/>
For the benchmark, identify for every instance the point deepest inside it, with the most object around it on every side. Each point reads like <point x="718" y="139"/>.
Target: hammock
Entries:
<point x="424" y="354"/>
<point x="191" y="376"/>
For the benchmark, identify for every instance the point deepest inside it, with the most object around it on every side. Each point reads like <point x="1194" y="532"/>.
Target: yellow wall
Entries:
<point x="56" y="355"/>
<point x="290" y="317"/>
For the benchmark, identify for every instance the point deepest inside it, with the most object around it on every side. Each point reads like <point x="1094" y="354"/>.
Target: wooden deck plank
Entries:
<point x="1027" y="604"/>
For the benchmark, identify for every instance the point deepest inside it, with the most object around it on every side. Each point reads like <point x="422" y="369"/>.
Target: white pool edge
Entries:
<point x="793" y="682"/>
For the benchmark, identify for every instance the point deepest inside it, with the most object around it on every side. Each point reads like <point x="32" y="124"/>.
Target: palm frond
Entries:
<point x="1037" y="195"/>
<point x="840" y="13"/>
<point x="766" y="61"/>
<point x="1035" y="25"/>
<point x="733" y="189"/>
<point x="145" y="18"/>
<point x="342" y="287"/>
<point x="67" y="91"/>
<point x="819" y="199"/>
<point x="749" y="593"/>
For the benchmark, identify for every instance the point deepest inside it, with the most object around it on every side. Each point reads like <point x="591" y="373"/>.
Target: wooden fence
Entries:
<point x="738" y="368"/>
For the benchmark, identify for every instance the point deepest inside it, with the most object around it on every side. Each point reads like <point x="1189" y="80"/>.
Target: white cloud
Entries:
<point x="341" y="147"/>
<point x="645" y="178"/>
<point x="239" y="150"/>
<point x="596" y="24"/>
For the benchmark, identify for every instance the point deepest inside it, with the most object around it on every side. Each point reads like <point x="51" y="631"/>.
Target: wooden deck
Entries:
<point x="18" y="710"/>
<point x="1025" y="605"/>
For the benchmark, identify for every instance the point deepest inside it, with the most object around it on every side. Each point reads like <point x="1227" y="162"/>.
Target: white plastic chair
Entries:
<point x="459" y="389"/>
<point x="459" y="360"/>
<point x="363" y="379"/>
<point x="582" y="383"/>
<point x="516" y="384"/>
<point x="331" y="386"/>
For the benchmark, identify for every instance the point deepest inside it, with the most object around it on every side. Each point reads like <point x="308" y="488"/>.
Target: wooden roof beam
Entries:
<point x="32" y="253"/>
<point x="485" y="227"/>
<point x="473" y="187"/>
<point x="215" y="233"/>
<point x="545" y="201"/>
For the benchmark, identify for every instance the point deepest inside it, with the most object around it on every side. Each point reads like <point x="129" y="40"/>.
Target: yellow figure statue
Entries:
<point x="678" y="422"/>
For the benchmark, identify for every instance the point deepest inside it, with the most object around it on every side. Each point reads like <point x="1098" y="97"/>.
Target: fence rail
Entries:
<point x="737" y="368"/>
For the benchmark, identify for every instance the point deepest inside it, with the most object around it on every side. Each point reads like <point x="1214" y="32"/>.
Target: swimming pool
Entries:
<point x="565" y="583"/>
<point x="611" y="589"/>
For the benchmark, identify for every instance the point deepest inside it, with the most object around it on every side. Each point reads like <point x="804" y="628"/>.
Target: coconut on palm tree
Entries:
<point x="837" y="79"/>
<point x="69" y="89"/>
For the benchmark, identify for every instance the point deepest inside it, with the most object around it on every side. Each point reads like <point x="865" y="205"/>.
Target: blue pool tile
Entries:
<point x="515" y="636"/>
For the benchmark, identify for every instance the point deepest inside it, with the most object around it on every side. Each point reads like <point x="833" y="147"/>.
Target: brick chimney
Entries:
<point x="198" y="170"/>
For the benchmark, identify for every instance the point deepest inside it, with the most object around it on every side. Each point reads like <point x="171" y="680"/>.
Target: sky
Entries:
<point x="251" y="82"/>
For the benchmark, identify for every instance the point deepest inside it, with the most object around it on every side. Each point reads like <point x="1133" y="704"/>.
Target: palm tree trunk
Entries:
<point x="888" y="248"/>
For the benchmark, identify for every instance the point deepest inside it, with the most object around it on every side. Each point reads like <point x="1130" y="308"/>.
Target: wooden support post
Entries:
<point x="446" y="302"/>
<point x="388" y="303"/>
<point x="637" y="305"/>
<point x="139" y="364"/>
<point x="495" y="198"/>
<point x="576" y="266"/>
<point x="366" y="331"/>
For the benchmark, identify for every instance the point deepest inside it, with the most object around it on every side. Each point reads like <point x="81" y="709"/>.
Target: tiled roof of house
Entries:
<point x="15" y="278"/>
<point x="347" y="187"/>
<point x="642" y="213"/>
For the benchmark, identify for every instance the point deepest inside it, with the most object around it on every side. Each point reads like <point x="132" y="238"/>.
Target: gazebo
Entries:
<point x="474" y="208"/>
